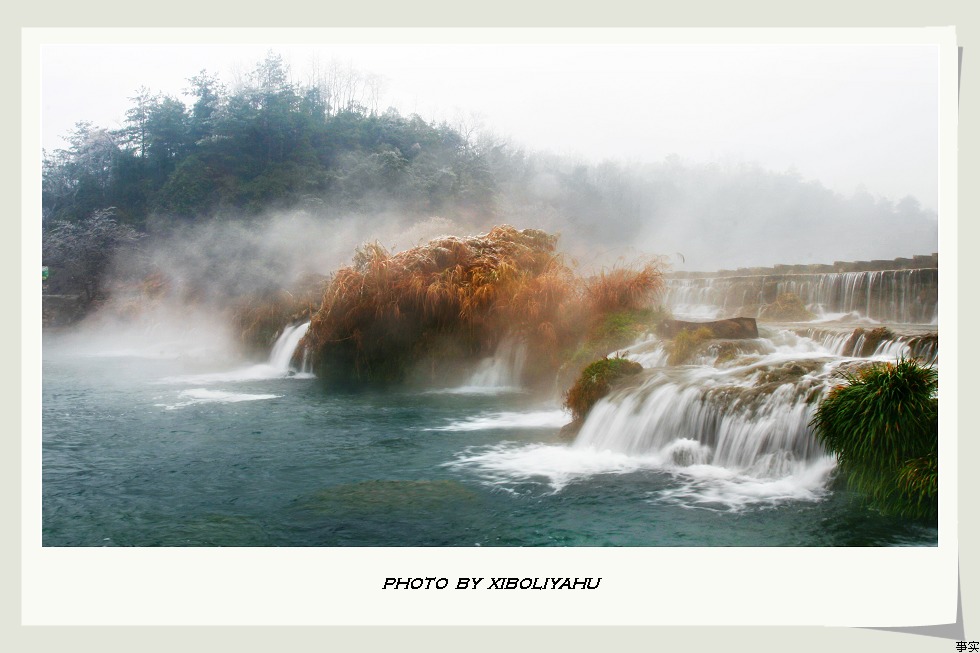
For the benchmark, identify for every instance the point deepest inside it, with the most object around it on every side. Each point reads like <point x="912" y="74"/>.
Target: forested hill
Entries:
<point x="326" y="148"/>
<point x="269" y="143"/>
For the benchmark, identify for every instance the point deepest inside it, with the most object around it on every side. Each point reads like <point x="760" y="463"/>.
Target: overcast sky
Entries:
<point x="845" y="115"/>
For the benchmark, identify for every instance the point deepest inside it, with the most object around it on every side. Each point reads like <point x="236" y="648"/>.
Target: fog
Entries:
<point x="846" y="115"/>
<point x="710" y="156"/>
<point x="221" y="261"/>
<point x="206" y="269"/>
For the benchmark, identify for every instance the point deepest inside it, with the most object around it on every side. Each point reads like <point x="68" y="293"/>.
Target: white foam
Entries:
<point x="476" y="390"/>
<point x="717" y="488"/>
<point x="648" y="352"/>
<point x="277" y="367"/>
<point x="554" y="464"/>
<point x="540" y="419"/>
<point x="254" y="373"/>
<point x="852" y="317"/>
<point x="694" y="485"/>
<point x="205" y="396"/>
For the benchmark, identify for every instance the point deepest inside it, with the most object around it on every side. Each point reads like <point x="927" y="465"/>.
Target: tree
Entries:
<point x="207" y="92"/>
<point x="79" y="253"/>
<point x="134" y="133"/>
<point x="77" y="181"/>
<point x="166" y="130"/>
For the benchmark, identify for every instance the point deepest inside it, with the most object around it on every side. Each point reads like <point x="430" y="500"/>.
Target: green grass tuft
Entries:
<point x="883" y="426"/>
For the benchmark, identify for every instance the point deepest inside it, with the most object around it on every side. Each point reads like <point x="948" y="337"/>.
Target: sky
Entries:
<point x="845" y="115"/>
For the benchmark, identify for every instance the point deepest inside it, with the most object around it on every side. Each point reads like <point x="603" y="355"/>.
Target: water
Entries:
<point x="899" y="296"/>
<point x="193" y="451"/>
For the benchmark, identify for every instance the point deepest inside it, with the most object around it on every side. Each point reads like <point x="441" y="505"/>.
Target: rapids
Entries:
<point x="177" y="451"/>
<point x="896" y="296"/>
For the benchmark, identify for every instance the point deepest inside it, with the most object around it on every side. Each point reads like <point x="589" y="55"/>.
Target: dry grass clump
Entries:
<point x="624" y="288"/>
<point x="684" y="345"/>
<point x="385" y="312"/>
<point x="788" y="307"/>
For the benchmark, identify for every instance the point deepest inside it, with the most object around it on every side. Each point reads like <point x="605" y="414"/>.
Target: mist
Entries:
<point x="279" y="311"/>
<point x="702" y="218"/>
<point x="709" y="217"/>
<point x="257" y="190"/>
<point x="175" y="295"/>
<point x="218" y="262"/>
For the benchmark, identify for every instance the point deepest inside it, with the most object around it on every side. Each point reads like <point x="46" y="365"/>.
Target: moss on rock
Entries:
<point x="595" y="382"/>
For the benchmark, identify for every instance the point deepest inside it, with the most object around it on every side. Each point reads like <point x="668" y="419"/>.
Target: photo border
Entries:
<point x="946" y="260"/>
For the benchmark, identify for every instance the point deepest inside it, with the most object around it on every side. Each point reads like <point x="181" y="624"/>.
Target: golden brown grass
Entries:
<point x="788" y="307"/>
<point x="624" y="288"/>
<point x="685" y="344"/>
<point x="387" y="311"/>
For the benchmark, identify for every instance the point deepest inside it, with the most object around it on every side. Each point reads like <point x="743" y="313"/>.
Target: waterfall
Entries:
<point x="285" y="347"/>
<point x="502" y="370"/>
<point x="751" y="415"/>
<point x="897" y="296"/>
<point x="736" y="433"/>
<point x="738" y="418"/>
<point x="851" y="343"/>
<point x="730" y="428"/>
<point x="277" y="366"/>
<point x="723" y="432"/>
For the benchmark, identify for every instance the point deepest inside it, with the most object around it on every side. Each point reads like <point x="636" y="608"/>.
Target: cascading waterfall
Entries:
<point x="278" y="365"/>
<point x="285" y="348"/>
<point x="736" y="431"/>
<point x="926" y="349"/>
<point x="500" y="373"/>
<point x="699" y="415"/>
<point x="732" y="435"/>
<point x="504" y="369"/>
<point x="903" y="296"/>
<point x="218" y="385"/>
<point x="922" y="346"/>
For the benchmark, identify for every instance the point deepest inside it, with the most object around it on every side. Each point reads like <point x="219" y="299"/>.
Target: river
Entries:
<point x="156" y="446"/>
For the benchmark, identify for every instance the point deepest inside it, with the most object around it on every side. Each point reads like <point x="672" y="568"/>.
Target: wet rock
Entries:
<point x="864" y="342"/>
<point x="570" y="430"/>
<point x="734" y="328"/>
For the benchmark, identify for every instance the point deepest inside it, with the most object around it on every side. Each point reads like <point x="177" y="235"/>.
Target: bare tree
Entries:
<point x="79" y="253"/>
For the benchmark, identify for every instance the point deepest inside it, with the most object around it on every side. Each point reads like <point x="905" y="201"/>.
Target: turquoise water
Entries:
<point x="170" y="452"/>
